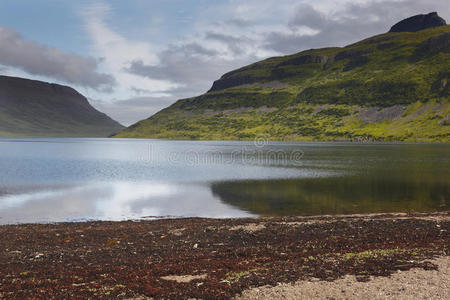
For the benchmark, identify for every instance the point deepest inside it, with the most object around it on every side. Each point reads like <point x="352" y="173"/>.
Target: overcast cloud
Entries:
<point x="351" y="23"/>
<point x="37" y="59"/>
<point x="130" y="110"/>
<point x="191" y="66"/>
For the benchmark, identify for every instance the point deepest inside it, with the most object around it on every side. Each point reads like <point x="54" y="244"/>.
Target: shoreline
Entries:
<point x="306" y="141"/>
<point x="394" y="142"/>
<point x="398" y="215"/>
<point x="215" y="258"/>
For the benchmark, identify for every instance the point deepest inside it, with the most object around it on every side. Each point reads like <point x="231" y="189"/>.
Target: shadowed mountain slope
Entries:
<point x="35" y="108"/>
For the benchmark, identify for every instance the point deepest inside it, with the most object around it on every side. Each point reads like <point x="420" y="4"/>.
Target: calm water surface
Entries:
<point x="69" y="179"/>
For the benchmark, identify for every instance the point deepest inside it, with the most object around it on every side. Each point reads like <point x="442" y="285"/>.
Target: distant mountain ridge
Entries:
<point x="36" y="108"/>
<point x="390" y="87"/>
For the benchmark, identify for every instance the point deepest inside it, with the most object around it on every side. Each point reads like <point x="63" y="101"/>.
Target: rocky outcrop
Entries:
<point x="229" y="79"/>
<point x="305" y="59"/>
<point x="356" y="58"/>
<point x="376" y="114"/>
<point x="235" y="79"/>
<point x="351" y="54"/>
<point x="225" y="83"/>
<point x="440" y="43"/>
<point x="419" y="22"/>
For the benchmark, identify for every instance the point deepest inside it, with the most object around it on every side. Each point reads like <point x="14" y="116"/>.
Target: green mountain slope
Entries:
<point x="35" y="108"/>
<point x="393" y="86"/>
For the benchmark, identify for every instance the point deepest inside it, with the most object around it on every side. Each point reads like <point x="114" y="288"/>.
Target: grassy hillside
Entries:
<point x="392" y="86"/>
<point x="34" y="108"/>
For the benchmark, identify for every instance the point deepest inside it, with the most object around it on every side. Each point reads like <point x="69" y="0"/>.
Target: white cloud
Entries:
<point x="118" y="52"/>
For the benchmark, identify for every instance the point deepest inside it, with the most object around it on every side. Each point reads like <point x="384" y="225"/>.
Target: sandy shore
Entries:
<point x="341" y="257"/>
<point x="412" y="284"/>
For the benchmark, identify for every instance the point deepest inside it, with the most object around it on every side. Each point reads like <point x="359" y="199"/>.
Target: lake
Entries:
<point x="78" y="179"/>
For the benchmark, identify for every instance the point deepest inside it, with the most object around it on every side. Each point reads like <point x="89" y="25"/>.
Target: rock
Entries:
<point x="387" y="45"/>
<point x="445" y="121"/>
<point x="305" y="59"/>
<point x="234" y="79"/>
<point x="356" y="62"/>
<point x="419" y="22"/>
<point x="377" y="114"/>
<point x="356" y="58"/>
<point x="440" y="43"/>
<point x="352" y="54"/>
<point x="228" y="82"/>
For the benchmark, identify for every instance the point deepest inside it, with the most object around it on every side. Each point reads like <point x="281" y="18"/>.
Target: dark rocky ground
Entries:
<point x="210" y="258"/>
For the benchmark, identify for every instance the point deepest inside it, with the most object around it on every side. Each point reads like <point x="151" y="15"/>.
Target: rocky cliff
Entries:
<point x="419" y="22"/>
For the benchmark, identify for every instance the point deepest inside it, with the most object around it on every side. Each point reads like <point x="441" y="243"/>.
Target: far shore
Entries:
<point x="346" y="256"/>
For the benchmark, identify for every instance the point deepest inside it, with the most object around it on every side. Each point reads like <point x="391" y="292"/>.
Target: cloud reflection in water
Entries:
<point x="114" y="201"/>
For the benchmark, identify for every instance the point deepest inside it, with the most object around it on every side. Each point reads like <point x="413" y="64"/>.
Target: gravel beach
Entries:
<point x="399" y="256"/>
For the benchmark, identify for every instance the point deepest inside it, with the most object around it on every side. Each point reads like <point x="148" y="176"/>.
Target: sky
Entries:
<point x="132" y="58"/>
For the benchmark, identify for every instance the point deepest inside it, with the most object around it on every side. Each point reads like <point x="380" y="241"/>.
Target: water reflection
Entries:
<point x="334" y="195"/>
<point x="114" y="201"/>
<point x="52" y="180"/>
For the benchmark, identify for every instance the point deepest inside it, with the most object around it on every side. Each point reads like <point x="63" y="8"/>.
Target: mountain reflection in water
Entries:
<point x="335" y="195"/>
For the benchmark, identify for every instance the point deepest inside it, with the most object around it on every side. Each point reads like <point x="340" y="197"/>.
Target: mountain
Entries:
<point x="35" y="108"/>
<point x="390" y="87"/>
<point x="419" y="22"/>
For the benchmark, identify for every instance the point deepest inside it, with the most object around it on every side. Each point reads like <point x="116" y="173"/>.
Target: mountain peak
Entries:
<point x="419" y="22"/>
